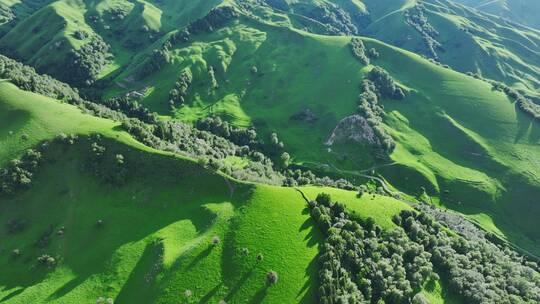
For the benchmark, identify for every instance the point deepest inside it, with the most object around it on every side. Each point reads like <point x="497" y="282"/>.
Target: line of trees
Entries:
<point x="523" y="103"/>
<point x="416" y="18"/>
<point x="478" y="270"/>
<point x="361" y="263"/>
<point x="212" y="140"/>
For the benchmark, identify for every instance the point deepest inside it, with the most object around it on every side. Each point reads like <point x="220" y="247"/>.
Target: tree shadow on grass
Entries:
<point x="239" y="284"/>
<point x="260" y="295"/>
<point x="203" y="254"/>
<point x="314" y="237"/>
<point x="524" y="123"/>
<point x="12" y="294"/>
<point x="534" y="136"/>
<point x="210" y="294"/>
<point x="144" y="274"/>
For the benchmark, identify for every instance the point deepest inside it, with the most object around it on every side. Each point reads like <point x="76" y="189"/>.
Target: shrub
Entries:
<point x="271" y="278"/>
<point x="47" y="260"/>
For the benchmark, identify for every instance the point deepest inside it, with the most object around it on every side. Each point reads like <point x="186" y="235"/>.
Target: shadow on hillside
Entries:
<point x="203" y="254"/>
<point x="243" y="279"/>
<point x="144" y="274"/>
<point x="210" y="294"/>
<point x="260" y="295"/>
<point x="526" y="124"/>
<point x="12" y="294"/>
<point x="314" y="236"/>
<point x="165" y="191"/>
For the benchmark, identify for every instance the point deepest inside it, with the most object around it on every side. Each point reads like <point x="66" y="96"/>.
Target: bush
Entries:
<point x="215" y="240"/>
<point x="271" y="278"/>
<point x="47" y="260"/>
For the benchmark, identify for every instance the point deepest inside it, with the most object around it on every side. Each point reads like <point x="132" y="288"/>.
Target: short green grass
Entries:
<point x="456" y="137"/>
<point x="156" y="238"/>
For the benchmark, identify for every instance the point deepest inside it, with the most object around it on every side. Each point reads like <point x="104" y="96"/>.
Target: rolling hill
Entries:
<point x="139" y="205"/>
<point x="477" y="172"/>
<point x="519" y="11"/>
<point x="254" y="71"/>
<point x="154" y="230"/>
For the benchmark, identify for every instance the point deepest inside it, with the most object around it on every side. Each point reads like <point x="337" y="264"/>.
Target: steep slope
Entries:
<point x="251" y="72"/>
<point x="467" y="40"/>
<point x="248" y="65"/>
<point x="519" y="11"/>
<point x="149" y="236"/>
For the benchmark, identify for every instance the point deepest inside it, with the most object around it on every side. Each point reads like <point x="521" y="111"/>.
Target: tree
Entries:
<point x="271" y="278"/>
<point x="285" y="159"/>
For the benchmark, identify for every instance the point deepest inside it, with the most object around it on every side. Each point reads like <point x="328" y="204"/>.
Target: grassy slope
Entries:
<point x="520" y="11"/>
<point x="494" y="49"/>
<point x="165" y="206"/>
<point x="488" y="144"/>
<point x="43" y="119"/>
<point x="485" y="166"/>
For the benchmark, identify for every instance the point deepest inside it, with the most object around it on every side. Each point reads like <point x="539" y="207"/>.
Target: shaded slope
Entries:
<point x="479" y="170"/>
<point x="519" y="11"/>
<point x="148" y="238"/>
<point x="469" y="41"/>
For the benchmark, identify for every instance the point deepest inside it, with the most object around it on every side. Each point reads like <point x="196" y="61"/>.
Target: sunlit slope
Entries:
<point x="474" y="140"/>
<point x="28" y="119"/>
<point x="150" y="238"/>
<point x="520" y="11"/>
<point x="456" y="137"/>
<point x="470" y="41"/>
<point x="46" y="35"/>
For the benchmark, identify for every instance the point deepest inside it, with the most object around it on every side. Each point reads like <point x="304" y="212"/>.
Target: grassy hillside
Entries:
<point x="483" y="170"/>
<point x="519" y="11"/>
<point x="151" y="236"/>
<point x="467" y="40"/>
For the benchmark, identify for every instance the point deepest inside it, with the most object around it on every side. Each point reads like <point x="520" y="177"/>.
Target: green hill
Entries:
<point x="520" y="11"/>
<point x="478" y="171"/>
<point x="465" y="39"/>
<point x="149" y="238"/>
<point x="265" y="90"/>
<point x="250" y="66"/>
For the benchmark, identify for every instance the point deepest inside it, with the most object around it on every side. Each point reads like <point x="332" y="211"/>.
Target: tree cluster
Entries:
<point x="216" y="18"/>
<point x="523" y="103"/>
<point x="359" y="50"/>
<point x="19" y="172"/>
<point x="416" y="18"/>
<point x="336" y="20"/>
<point x="178" y="94"/>
<point x="6" y="14"/>
<point x="182" y="138"/>
<point x="111" y="168"/>
<point x="131" y="108"/>
<point x="299" y="177"/>
<point x="478" y="270"/>
<point x="153" y="63"/>
<point x="386" y="86"/>
<point x="83" y="66"/>
<point x="373" y="112"/>
<point x="361" y="263"/>
<point x="26" y="78"/>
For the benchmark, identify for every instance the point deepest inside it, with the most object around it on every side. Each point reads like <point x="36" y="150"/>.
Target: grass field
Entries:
<point x="465" y="143"/>
<point x="156" y="238"/>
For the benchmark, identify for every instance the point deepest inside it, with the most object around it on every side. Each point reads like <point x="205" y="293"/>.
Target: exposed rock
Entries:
<point x="355" y="128"/>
